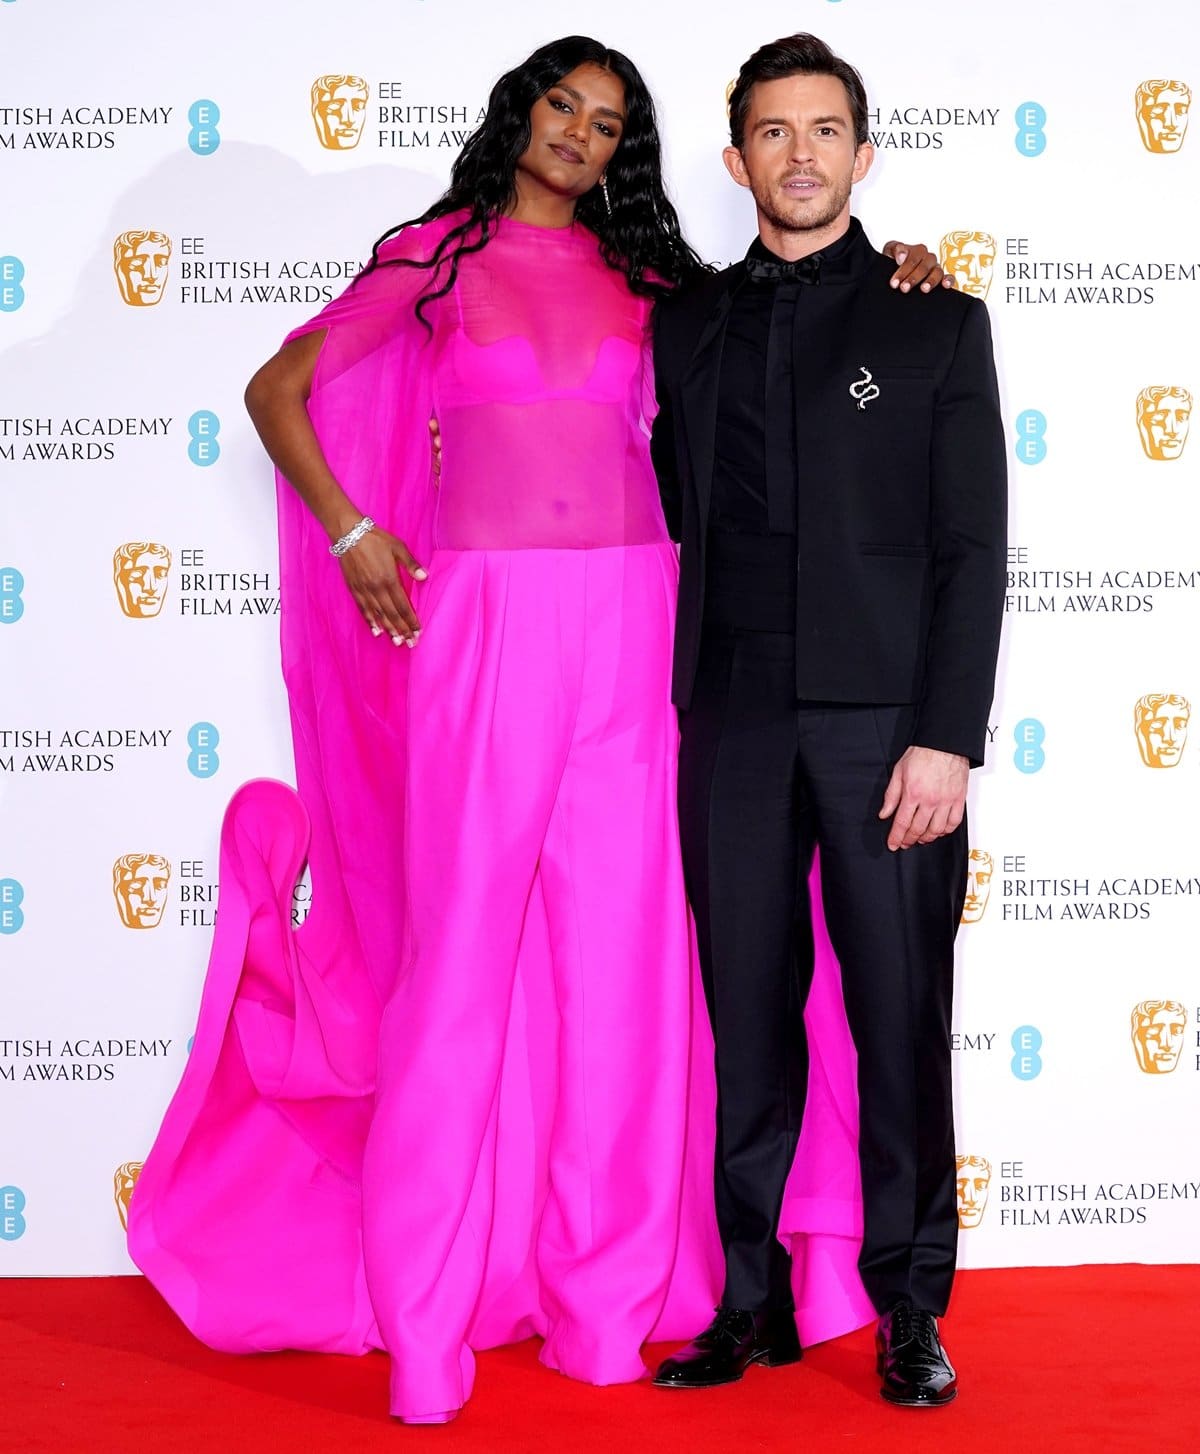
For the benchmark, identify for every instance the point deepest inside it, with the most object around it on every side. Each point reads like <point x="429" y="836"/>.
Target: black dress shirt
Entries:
<point x="755" y="463"/>
<point x="754" y="489"/>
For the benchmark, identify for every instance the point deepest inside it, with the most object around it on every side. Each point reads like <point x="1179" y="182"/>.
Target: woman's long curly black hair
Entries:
<point x="640" y="238"/>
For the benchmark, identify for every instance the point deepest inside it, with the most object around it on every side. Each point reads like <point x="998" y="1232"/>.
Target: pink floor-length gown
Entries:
<point x="471" y="1099"/>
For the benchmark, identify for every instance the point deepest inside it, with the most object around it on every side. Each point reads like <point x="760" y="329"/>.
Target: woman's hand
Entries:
<point x="372" y="571"/>
<point x="916" y="266"/>
<point x="435" y="439"/>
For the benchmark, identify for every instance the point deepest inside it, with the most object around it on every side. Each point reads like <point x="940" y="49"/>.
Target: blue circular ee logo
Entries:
<point x="1029" y="734"/>
<point x="203" y="758"/>
<point x="1026" y="1063"/>
<point x="12" y="583"/>
<point x="1031" y="443"/>
<point x="12" y="916"/>
<point x="203" y="428"/>
<point x="12" y="1204"/>
<point x="204" y="137"/>
<point x="12" y="294"/>
<point x="1030" y="119"/>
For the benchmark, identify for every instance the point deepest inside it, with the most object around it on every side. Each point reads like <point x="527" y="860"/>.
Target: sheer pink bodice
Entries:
<point x="543" y="396"/>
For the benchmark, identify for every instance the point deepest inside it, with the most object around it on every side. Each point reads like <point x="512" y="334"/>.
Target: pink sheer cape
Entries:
<point x="247" y="1215"/>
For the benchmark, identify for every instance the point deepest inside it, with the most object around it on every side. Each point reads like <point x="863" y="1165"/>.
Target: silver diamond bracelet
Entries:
<point x="352" y="537"/>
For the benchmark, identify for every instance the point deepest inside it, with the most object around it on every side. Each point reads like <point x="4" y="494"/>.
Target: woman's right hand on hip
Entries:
<point x="372" y="571"/>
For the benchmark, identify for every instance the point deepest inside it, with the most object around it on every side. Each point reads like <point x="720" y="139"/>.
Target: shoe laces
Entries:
<point x="729" y="1325"/>
<point x="910" y="1325"/>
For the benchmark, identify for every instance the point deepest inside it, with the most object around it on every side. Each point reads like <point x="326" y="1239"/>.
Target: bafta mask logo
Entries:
<point x="140" y="570"/>
<point x="124" y="1180"/>
<point x="979" y="885"/>
<point x="1162" y="114"/>
<point x="972" y="1175"/>
<point x="1164" y="413"/>
<point x="140" y="888"/>
<point x="140" y="262"/>
<point x="339" y="108"/>
<point x="970" y="256"/>
<point x="1158" y="1028"/>
<point x="1160" y="723"/>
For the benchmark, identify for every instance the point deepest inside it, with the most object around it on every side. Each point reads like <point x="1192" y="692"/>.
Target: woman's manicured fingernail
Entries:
<point x="376" y="631"/>
<point x="397" y="640"/>
<point x="420" y="574"/>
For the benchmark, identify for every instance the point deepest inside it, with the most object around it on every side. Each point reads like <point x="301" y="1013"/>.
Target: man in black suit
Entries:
<point x="834" y="469"/>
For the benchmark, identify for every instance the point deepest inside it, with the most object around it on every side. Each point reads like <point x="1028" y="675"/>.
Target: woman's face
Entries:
<point x="574" y="129"/>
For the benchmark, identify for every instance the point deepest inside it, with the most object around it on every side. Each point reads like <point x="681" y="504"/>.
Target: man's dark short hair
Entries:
<point x="795" y="55"/>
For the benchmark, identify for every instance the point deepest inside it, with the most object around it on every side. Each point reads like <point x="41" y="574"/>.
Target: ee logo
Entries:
<point x="12" y="916"/>
<point x="203" y="428"/>
<point x="1030" y="139"/>
<point x="12" y="583"/>
<point x="1031" y="444"/>
<point x="12" y="294"/>
<point x="204" y="137"/>
<point x="1026" y="1062"/>
<point x="1029" y="734"/>
<point x="12" y="1204"/>
<point x="203" y="759"/>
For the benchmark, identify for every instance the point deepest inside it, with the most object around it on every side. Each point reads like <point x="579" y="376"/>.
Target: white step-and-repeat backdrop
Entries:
<point x="178" y="190"/>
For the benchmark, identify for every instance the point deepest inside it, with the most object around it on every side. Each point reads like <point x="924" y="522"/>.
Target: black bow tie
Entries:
<point x="770" y="270"/>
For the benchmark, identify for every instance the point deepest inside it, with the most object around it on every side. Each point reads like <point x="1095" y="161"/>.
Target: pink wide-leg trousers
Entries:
<point x="541" y="787"/>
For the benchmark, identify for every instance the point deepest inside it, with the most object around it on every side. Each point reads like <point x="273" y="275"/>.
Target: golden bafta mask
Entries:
<point x="1162" y="114"/>
<point x="972" y="1175"/>
<point x="979" y="885"/>
<point x="124" y="1180"/>
<point x="1158" y="1028"/>
<point x="729" y="90"/>
<point x="140" y="571"/>
<point x="140" y="262"/>
<point x="339" y="108"/>
<point x="970" y="256"/>
<point x="1164" y="413"/>
<point x="140" y="888"/>
<point x="1160" y="723"/>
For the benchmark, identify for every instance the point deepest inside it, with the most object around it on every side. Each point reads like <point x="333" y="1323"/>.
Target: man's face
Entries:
<point x="143" y="895"/>
<point x="1158" y="1039"/>
<point x="339" y="113"/>
<point x="142" y="272"/>
<point x="1163" y="424"/>
<point x="143" y="583"/>
<point x="1163" y="119"/>
<point x="799" y="157"/>
<point x="972" y="1183"/>
<point x="971" y="261"/>
<point x="1163" y="734"/>
<point x="979" y="886"/>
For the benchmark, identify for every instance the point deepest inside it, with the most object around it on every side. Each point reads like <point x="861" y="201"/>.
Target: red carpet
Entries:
<point x="1085" y="1358"/>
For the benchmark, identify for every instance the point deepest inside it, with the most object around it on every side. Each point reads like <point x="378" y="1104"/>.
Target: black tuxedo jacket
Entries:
<point x="901" y="491"/>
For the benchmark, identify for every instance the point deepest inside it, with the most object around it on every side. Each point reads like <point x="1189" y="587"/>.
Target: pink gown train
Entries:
<point x="471" y="1099"/>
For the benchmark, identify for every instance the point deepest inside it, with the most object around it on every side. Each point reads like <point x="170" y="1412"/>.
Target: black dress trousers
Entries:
<point x="763" y="781"/>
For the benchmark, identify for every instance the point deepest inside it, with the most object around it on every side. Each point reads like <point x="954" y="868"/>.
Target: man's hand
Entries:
<point x="927" y="794"/>
<point x="916" y="266"/>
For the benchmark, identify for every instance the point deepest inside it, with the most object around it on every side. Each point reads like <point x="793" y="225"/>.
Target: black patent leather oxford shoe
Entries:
<point x="910" y="1359"/>
<point x="729" y="1345"/>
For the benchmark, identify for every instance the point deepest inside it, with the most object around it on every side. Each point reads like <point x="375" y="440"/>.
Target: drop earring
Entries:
<point x="604" y="189"/>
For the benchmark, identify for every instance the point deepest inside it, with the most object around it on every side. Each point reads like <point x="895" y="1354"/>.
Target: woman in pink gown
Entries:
<point x="470" y="1100"/>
